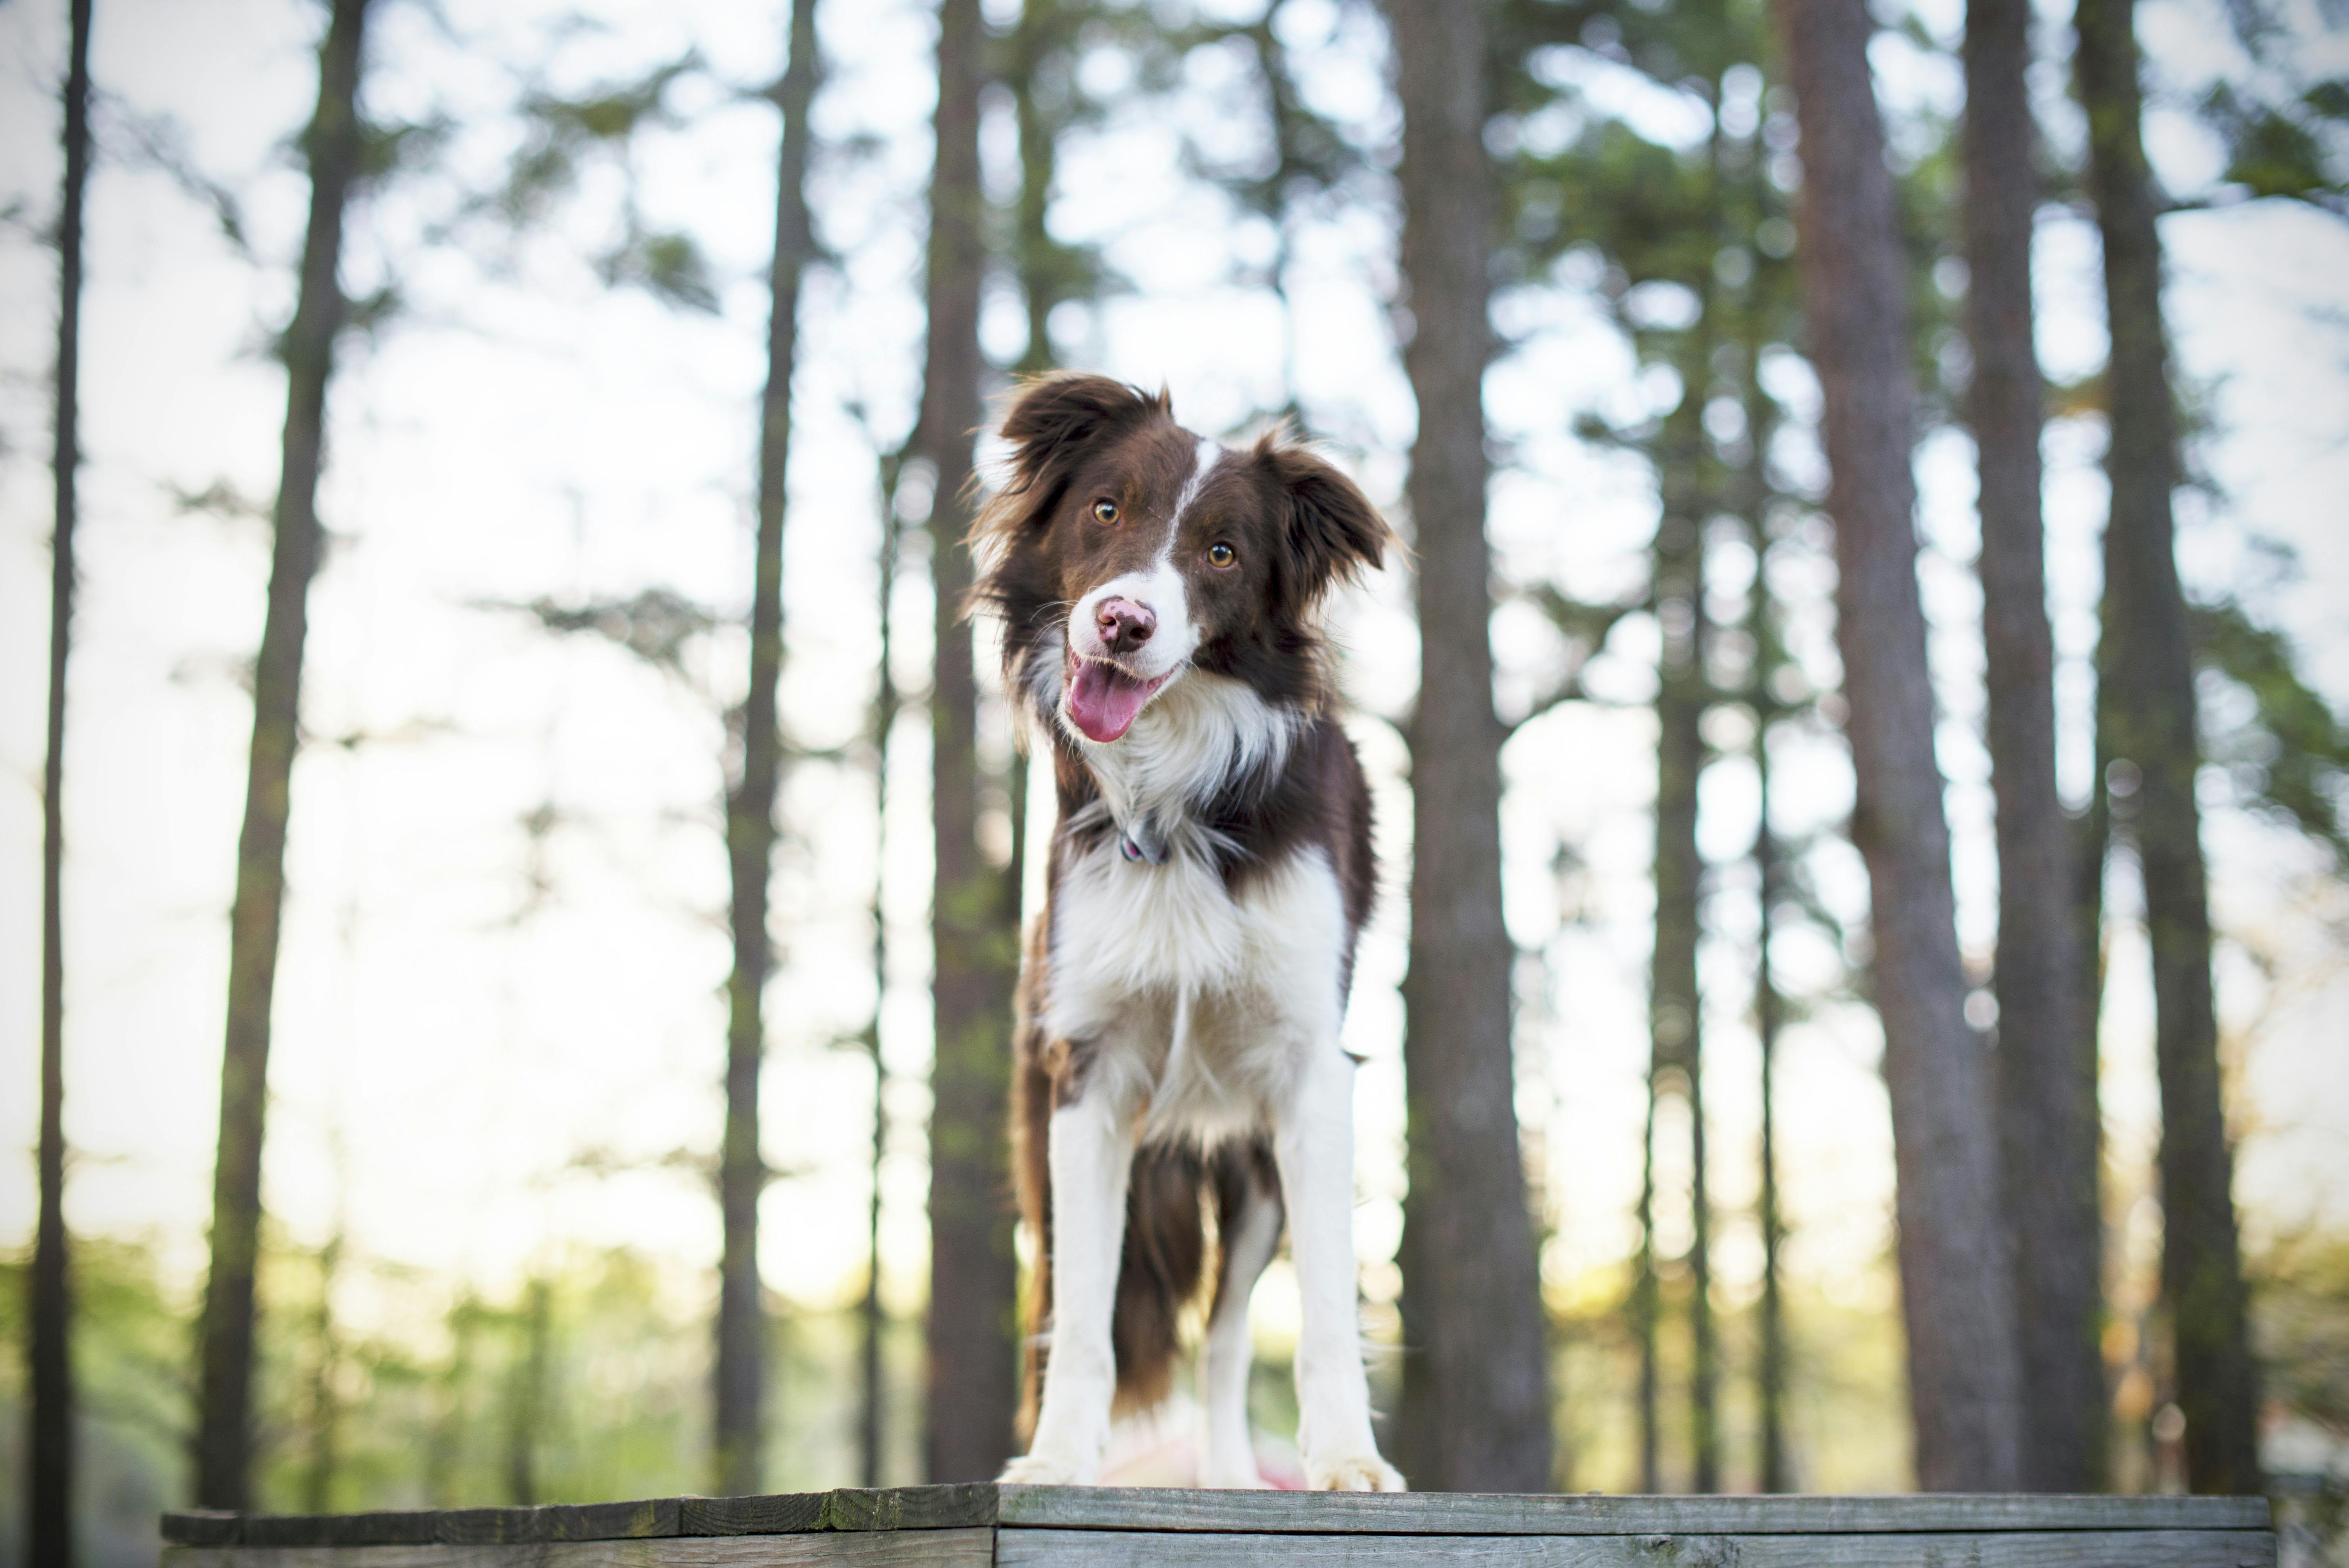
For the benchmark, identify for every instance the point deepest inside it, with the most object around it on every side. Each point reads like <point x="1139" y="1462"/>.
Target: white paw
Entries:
<point x="1352" y="1473"/>
<point x="1047" y="1469"/>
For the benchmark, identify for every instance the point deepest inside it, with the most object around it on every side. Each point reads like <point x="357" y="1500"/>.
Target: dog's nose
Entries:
<point x="1123" y="624"/>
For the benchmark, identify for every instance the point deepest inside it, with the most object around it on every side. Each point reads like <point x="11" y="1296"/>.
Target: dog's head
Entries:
<point x="1124" y="550"/>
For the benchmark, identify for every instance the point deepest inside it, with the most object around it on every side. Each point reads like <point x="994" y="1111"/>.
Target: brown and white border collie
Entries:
<point x="1180" y="1002"/>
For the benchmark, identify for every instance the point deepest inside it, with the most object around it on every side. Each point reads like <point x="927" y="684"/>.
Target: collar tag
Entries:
<point x="1141" y="845"/>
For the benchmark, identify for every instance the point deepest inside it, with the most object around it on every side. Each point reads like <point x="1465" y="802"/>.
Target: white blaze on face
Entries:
<point x="1157" y="588"/>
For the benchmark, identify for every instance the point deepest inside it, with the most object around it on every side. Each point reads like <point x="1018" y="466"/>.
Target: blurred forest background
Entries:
<point x="504" y="464"/>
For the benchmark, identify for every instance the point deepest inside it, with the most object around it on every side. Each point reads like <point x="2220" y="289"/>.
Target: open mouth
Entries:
<point x="1103" y="699"/>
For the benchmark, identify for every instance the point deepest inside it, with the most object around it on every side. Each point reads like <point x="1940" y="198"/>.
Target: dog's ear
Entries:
<point x="1329" y="533"/>
<point x="1054" y="417"/>
<point x="1049" y="422"/>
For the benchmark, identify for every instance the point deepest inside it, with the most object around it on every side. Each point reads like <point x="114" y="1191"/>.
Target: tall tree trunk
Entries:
<point x="49" y="1501"/>
<point x="2046" y="1058"/>
<point x="1475" y="1399"/>
<point x="1955" y="1277"/>
<point x="871" y="1392"/>
<point x="1039" y="260"/>
<point x="332" y="145"/>
<point x="741" y="1363"/>
<point x="1675" y="1025"/>
<point x="1769" y="656"/>
<point x="529" y="1393"/>
<point x="444" y="1448"/>
<point x="2145" y="698"/>
<point x="325" y="1414"/>
<point x="972" y="1345"/>
<point x="1647" y="1307"/>
<point x="1769" y="1018"/>
<point x="1675" y="1019"/>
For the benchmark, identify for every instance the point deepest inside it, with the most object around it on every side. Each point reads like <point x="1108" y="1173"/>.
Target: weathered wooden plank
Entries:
<point x="849" y="1508"/>
<point x="911" y="1507"/>
<point x="2012" y="1549"/>
<point x="1478" y="1513"/>
<point x="969" y="1548"/>
<point x="1168" y="1508"/>
<point x="462" y="1526"/>
<point x="778" y="1513"/>
<point x="388" y="1527"/>
<point x="202" y="1527"/>
<point x="645" y="1517"/>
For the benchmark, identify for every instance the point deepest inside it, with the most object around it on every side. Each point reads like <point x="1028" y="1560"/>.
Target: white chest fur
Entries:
<point x="1201" y="732"/>
<point x="1196" y="1002"/>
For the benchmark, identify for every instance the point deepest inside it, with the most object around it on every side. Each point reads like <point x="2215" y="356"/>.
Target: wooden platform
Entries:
<point x="1088" y="1527"/>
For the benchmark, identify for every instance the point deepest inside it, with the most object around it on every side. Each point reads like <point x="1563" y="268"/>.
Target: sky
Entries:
<point x="492" y="1044"/>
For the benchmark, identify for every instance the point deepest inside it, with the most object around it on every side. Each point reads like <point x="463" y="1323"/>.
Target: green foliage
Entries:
<point x="564" y="135"/>
<point x="2285" y="135"/>
<point x="586" y="1383"/>
<point x="1304" y="154"/>
<point x="2300" y="1285"/>
<point x="1038" y="61"/>
<point x="667" y="266"/>
<point x="2287" y="751"/>
<point x="2289" y="149"/>
<point x="1847" y="1415"/>
<point x="159" y="142"/>
<point x="656" y="624"/>
<point x="563" y="131"/>
<point x="390" y="149"/>
<point x="131" y="1336"/>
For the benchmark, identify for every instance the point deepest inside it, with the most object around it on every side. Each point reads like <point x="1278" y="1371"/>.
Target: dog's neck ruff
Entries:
<point x="1199" y="739"/>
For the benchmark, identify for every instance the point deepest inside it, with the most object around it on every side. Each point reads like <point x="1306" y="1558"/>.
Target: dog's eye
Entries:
<point x="1104" y="511"/>
<point x="1220" y="554"/>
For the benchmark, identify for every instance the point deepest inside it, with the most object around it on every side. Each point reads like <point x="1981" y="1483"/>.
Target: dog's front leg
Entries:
<point x="1314" y="1143"/>
<point x="1249" y="1235"/>
<point x="1090" y="1155"/>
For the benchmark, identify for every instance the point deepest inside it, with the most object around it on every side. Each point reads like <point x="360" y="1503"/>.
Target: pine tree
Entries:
<point x="1956" y="1292"/>
<point x="49" y="1469"/>
<point x="1695" y="219"/>
<point x="2147" y="721"/>
<point x="740" y="1371"/>
<point x="1475" y="1397"/>
<point x="2046" y="1060"/>
<point x="971" y="1335"/>
<point x="332" y="148"/>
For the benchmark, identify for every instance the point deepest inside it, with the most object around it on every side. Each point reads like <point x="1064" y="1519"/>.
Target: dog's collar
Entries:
<point x="1141" y="843"/>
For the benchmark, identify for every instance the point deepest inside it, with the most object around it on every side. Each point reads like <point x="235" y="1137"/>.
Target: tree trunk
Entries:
<point x="972" y="1349"/>
<point x="1475" y="1400"/>
<point x="1675" y="1025"/>
<point x="1045" y="276"/>
<point x="1647" y="1308"/>
<point x="1955" y="1276"/>
<point x="529" y="1393"/>
<point x="2046" y="1058"/>
<point x="50" y="1352"/>
<point x="1676" y="1054"/>
<point x="325" y="1414"/>
<point x="333" y="146"/>
<point x="1769" y="1017"/>
<point x="2145" y="694"/>
<point x="1763" y="622"/>
<point x="871" y="1391"/>
<point x="741" y="1362"/>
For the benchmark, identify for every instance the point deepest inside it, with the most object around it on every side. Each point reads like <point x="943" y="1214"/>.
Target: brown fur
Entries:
<point x="1299" y="527"/>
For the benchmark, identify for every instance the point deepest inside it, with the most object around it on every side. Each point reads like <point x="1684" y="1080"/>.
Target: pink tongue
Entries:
<point x="1104" y="702"/>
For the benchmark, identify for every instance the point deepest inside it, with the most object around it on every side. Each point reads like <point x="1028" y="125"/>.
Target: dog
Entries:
<point x="1177" y="1039"/>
